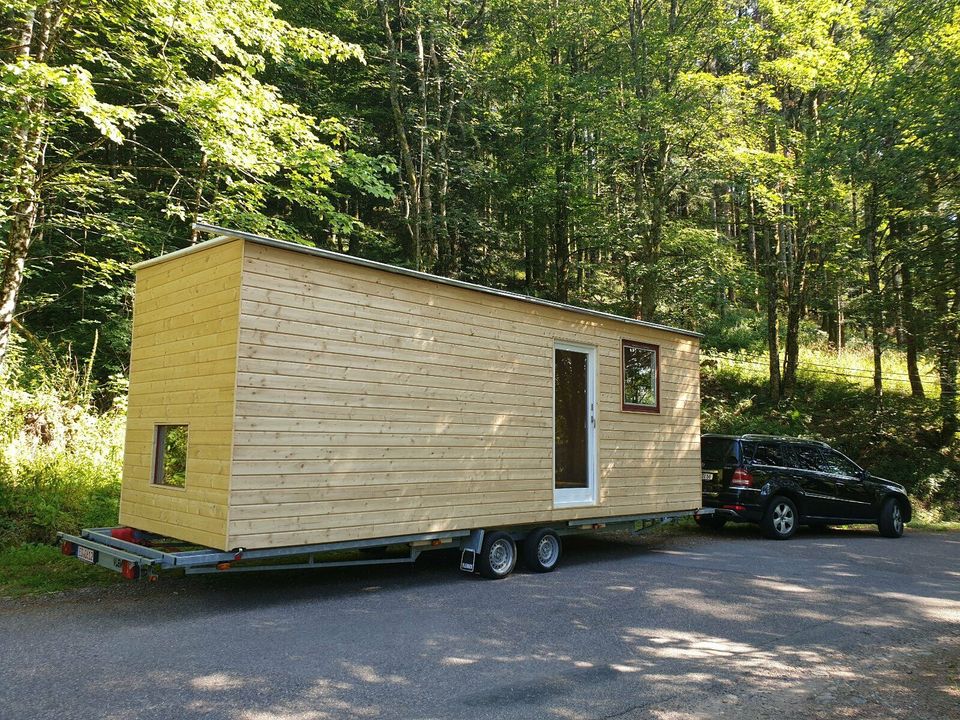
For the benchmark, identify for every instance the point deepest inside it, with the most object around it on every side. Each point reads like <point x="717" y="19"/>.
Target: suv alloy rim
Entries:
<point x="897" y="518"/>
<point x="783" y="518"/>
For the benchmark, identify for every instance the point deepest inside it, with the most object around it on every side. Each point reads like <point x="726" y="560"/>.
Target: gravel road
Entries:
<point x="831" y="624"/>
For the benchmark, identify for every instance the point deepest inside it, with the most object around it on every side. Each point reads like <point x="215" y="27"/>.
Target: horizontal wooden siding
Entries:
<point x="183" y="371"/>
<point x="374" y="404"/>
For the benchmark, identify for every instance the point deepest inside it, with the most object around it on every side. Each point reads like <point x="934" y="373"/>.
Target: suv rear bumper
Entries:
<point x="734" y="508"/>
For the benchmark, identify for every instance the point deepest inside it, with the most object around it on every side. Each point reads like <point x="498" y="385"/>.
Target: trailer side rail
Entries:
<point x="102" y="546"/>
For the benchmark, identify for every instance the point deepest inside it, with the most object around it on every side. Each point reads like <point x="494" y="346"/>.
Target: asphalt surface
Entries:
<point x="838" y="623"/>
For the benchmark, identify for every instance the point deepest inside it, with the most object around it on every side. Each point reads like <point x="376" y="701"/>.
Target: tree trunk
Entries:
<point x="796" y="303"/>
<point x="410" y="182"/>
<point x="427" y="235"/>
<point x="751" y="220"/>
<point x="947" y="304"/>
<point x="771" y="275"/>
<point x="33" y="39"/>
<point x="910" y="331"/>
<point x="947" y="369"/>
<point x="873" y="274"/>
<point x="562" y="141"/>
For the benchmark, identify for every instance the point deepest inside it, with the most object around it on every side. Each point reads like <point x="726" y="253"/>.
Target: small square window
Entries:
<point x="170" y="456"/>
<point x="641" y="369"/>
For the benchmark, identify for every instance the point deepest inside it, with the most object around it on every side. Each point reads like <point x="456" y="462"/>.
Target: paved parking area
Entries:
<point x="831" y="624"/>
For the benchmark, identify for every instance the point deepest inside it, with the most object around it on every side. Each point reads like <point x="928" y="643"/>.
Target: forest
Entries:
<point x="781" y="175"/>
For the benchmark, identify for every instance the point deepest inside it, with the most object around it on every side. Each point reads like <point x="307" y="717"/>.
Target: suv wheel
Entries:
<point x="891" y="519"/>
<point x="781" y="519"/>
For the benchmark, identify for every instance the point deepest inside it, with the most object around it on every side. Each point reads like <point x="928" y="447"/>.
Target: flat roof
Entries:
<point x="222" y="235"/>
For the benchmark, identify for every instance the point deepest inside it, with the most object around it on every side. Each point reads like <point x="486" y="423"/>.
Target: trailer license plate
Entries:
<point x="87" y="555"/>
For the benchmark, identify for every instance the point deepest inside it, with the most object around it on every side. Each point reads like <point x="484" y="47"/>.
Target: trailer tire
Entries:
<point x="498" y="556"/>
<point x="541" y="550"/>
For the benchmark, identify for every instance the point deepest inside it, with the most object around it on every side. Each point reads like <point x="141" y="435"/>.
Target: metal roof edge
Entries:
<point x="212" y="242"/>
<point x="224" y="234"/>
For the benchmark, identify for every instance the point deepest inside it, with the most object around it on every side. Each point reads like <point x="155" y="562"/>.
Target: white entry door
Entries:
<point x="574" y="424"/>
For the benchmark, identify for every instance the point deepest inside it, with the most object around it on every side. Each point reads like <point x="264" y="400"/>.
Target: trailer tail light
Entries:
<point x="130" y="570"/>
<point x="68" y="548"/>
<point x="741" y="478"/>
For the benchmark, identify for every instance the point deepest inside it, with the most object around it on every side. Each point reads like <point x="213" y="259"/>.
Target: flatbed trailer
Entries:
<point x="493" y="553"/>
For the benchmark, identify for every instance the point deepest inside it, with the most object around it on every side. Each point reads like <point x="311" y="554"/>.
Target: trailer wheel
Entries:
<point x="541" y="550"/>
<point x="498" y="556"/>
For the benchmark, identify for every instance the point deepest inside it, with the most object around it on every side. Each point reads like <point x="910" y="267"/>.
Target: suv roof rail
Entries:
<point x="761" y="436"/>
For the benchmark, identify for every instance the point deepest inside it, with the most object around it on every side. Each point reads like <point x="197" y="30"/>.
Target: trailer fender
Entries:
<point x="469" y="549"/>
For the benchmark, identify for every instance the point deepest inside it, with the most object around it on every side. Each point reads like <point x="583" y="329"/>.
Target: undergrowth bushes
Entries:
<point x="60" y="464"/>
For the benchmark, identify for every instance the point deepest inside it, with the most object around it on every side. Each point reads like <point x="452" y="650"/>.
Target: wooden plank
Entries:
<point x="267" y="430"/>
<point x="413" y="390"/>
<point x="441" y="502"/>
<point x="329" y="493"/>
<point x="317" y="480"/>
<point x="253" y="415"/>
<point x="391" y="371"/>
<point x="342" y="435"/>
<point x="346" y="458"/>
<point x="273" y="467"/>
<point x="399" y="402"/>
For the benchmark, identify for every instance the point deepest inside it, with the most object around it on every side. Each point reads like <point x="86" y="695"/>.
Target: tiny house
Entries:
<point x="282" y="395"/>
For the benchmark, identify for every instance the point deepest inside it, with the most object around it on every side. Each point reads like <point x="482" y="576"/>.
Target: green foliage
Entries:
<point x="60" y="464"/>
<point x="153" y="114"/>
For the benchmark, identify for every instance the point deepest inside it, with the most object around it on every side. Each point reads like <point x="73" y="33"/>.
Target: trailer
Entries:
<point x="287" y="401"/>
<point x="139" y="555"/>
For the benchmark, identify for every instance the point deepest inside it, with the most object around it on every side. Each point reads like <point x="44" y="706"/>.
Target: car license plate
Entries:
<point x="707" y="476"/>
<point x="87" y="555"/>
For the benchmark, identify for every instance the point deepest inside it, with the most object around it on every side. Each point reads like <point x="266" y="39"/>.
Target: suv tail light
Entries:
<point x="741" y="478"/>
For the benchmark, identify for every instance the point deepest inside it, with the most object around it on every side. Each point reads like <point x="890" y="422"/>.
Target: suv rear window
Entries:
<point x="718" y="451"/>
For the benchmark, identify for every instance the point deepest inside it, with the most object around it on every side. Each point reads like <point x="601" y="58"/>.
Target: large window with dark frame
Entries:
<point x="641" y="377"/>
<point x="170" y="456"/>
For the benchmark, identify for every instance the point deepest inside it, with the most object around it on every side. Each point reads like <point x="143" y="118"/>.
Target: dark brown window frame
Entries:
<point x="633" y="407"/>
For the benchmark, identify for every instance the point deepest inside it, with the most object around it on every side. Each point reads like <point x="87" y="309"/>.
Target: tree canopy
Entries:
<point x="666" y="159"/>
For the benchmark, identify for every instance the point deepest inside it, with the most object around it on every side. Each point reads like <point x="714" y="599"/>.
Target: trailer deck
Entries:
<point x="137" y="554"/>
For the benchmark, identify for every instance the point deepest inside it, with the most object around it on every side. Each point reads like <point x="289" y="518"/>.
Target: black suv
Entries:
<point x="781" y="483"/>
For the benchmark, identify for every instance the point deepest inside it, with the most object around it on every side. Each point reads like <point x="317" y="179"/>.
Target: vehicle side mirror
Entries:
<point x="864" y="474"/>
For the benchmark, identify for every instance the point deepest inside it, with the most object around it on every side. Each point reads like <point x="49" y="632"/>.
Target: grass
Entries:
<point x="39" y="569"/>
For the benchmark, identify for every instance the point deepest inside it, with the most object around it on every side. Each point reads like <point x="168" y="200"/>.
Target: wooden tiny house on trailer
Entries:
<point x="282" y="395"/>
